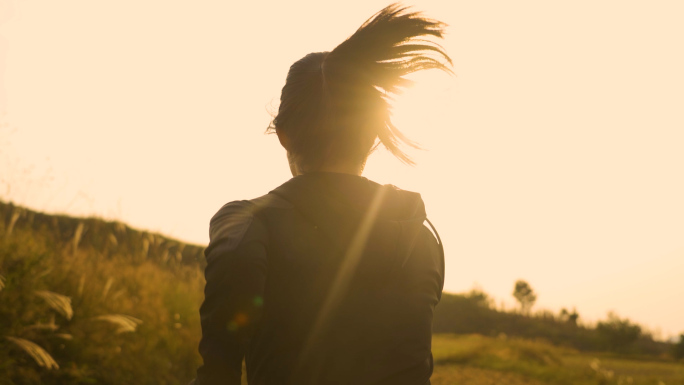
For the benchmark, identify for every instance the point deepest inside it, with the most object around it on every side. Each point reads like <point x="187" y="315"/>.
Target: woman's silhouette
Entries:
<point x="330" y="278"/>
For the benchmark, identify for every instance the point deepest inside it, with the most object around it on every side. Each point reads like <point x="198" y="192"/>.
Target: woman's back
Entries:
<point x="353" y="276"/>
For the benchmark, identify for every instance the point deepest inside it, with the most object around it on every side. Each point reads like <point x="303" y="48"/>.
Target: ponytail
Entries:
<point x="335" y="104"/>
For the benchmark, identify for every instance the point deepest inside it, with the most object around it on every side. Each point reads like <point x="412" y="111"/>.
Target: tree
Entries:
<point x="678" y="349"/>
<point x="524" y="294"/>
<point x="618" y="334"/>
<point x="479" y="298"/>
<point x="568" y="317"/>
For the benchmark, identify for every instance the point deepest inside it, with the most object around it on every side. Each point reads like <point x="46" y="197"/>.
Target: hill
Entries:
<point x="97" y="302"/>
<point x="89" y="301"/>
<point x="479" y="360"/>
<point x="474" y="312"/>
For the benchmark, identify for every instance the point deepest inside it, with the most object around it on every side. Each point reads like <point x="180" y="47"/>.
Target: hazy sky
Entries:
<point x="554" y="154"/>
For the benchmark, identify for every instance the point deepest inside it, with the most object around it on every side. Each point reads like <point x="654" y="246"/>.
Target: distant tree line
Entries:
<point x="678" y="349"/>
<point x="474" y="312"/>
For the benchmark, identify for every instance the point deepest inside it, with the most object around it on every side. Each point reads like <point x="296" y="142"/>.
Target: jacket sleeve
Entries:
<point x="235" y="276"/>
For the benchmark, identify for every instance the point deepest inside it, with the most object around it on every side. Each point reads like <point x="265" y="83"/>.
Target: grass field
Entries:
<point x="84" y="301"/>
<point x="479" y="360"/>
<point x="474" y="359"/>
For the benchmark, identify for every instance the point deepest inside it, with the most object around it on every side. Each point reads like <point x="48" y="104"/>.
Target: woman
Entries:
<point x="330" y="278"/>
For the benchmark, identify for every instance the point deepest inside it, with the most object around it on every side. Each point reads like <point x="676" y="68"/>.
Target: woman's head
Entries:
<point x="335" y="105"/>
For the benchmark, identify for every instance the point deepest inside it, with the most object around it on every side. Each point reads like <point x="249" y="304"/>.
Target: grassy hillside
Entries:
<point x="478" y="360"/>
<point x="106" y="303"/>
<point x="473" y="312"/>
<point x="84" y="301"/>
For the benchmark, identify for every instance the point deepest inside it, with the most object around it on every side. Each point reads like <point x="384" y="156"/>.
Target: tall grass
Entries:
<point x="42" y="358"/>
<point x="78" y="307"/>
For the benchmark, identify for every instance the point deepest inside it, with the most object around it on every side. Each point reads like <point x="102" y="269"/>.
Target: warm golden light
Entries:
<point x="553" y="155"/>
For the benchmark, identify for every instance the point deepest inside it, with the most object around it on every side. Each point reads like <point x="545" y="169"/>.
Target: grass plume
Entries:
<point x="77" y="236"/>
<point x="42" y="358"/>
<point x="57" y="301"/>
<point x="16" y="213"/>
<point x="124" y="323"/>
<point x="107" y="287"/>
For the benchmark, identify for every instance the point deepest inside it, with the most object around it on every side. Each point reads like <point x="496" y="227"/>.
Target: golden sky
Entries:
<point x="554" y="154"/>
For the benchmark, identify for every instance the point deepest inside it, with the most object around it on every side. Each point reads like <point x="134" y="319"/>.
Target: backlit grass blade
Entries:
<point x="36" y="352"/>
<point x="59" y="302"/>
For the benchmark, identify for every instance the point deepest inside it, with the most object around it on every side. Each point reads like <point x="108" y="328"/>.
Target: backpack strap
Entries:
<point x="441" y="248"/>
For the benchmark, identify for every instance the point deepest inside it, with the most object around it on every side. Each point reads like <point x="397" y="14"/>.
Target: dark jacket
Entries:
<point x="328" y="279"/>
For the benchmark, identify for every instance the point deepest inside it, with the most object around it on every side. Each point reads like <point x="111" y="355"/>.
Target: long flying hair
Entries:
<point x="335" y="105"/>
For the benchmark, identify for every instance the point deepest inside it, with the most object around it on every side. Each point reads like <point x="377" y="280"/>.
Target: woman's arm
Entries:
<point x="235" y="275"/>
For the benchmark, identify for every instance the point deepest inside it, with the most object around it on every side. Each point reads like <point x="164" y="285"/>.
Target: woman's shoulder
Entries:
<point x="247" y="208"/>
<point x="233" y="219"/>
